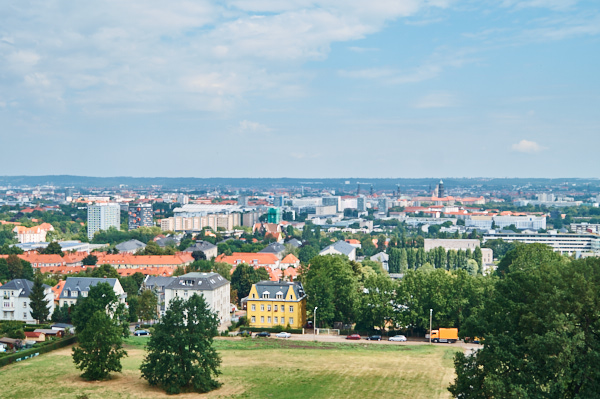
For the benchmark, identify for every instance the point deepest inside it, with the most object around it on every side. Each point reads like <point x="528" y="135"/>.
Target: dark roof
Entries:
<point x="295" y="242"/>
<point x="130" y="245"/>
<point x="163" y="242"/>
<point x="198" y="281"/>
<point x="83" y="284"/>
<point x="158" y="281"/>
<point x="23" y="285"/>
<point x="200" y="246"/>
<point x="342" y="247"/>
<point x="274" y="287"/>
<point x="273" y="248"/>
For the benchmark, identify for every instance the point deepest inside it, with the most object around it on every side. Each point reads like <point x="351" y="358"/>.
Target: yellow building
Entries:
<point x="277" y="303"/>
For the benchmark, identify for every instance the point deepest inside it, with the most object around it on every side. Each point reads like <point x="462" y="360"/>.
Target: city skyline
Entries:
<point x="268" y="89"/>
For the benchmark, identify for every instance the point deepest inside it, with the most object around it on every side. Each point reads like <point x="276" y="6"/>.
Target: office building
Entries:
<point x="103" y="217"/>
<point x="333" y="201"/>
<point x="279" y="200"/>
<point x="563" y="243"/>
<point x="140" y="216"/>
<point x="361" y="204"/>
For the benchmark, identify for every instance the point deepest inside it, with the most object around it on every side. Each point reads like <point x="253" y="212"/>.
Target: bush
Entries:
<point x="274" y="330"/>
<point x="243" y="321"/>
<point x="47" y="347"/>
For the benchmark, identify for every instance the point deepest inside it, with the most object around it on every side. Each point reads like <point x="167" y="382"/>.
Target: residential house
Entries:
<point x="130" y="247"/>
<point x="294" y="242"/>
<point x="214" y="288"/>
<point x="33" y="234"/>
<point x="382" y="258"/>
<point x="210" y="250"/>
<point x="290" y="260"/>
<point x="276" y="303"/>
<point x="274" y="248"/>
<point x="340" y="248"/>
<point x="268" y="260"/>
<point x="158" y="285"/>
<point x="16" y="303"/>
<point x="79" y="287"/>
<point x="35" y="336"/>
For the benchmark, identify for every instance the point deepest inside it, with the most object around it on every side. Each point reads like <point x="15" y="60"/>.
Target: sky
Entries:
<point x="300" y="88"/>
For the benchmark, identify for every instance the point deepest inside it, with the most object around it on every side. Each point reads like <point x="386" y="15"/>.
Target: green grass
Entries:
<point x="258" y="368"/>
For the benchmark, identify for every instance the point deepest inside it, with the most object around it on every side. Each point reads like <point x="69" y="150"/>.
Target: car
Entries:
<point x="353" y="336"/>
<point x="263" y="334"/>
<point x="374" y="338"/>
<point x="398" y="338"/>
<point x="137" y="333"/>
<point x="283" y="334"/>
<point x="244" y="333"/>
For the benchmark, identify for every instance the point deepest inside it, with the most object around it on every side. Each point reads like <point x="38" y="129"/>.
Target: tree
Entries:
<point x="37" y="300"/>
<point x="540" y="328"/>
<point x="100" y="297"/>
<point x="224" y="269"/>
<point x="242" y="279"/>
<point x="306" y="253"/>
<point x="53" y="249"/>
<point x="181" y="356"/>
<point x="15" y="267"/>
<point x="90" y="260"/>
<point x="147" y="305"/>
<point x="375" y="304"/>
<point x="62" y="314"/>
<point x="394" y="260"/>
<point x="100" y="347"/>
<point x="478" y="257"/>
<point x="199" y="255"/>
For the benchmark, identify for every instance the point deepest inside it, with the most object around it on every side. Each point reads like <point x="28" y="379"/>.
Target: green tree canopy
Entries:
<point x="540" y="327"/>
<point x="100" y="347"/>
<point x="37" y="300"/>
<point x="181" y="356"/>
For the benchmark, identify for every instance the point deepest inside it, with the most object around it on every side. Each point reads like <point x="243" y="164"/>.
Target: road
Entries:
<point x="468" y="348"/>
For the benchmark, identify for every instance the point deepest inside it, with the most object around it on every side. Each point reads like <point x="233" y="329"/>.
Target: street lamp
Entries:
<point x="315" y="322"/>
<point x="430" y="315"/>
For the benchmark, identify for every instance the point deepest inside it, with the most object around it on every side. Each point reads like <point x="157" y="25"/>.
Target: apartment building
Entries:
<point x="16" y="303"/>
<point x="563" y="243"/>
<point x="140" y="215"/>
<point x="197" y="223"/>
<point x="276" y="303"/>
<point x="33" y="234"/>
<point x="103" y="217"/>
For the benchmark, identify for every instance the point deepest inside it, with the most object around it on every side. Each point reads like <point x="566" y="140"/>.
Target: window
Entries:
<point x="24" y="304"/>
<point x="262" y="308"/>
<point x="253" y="307"/>
<point x="253" y="319"/>
<point x="265" y="295"/>
<point x="269" y="308"/>
<point x="262" y="319"/>
<point x="25" y="315"/>
<point x="279" y="295"/>
<point x="253" y="296"/>
<point x="291" y="308"/>
<point x="283" y="320"/>
<point x="283" y="308"/>
<point x="269" y="319"/>
<point x="291" y="320"/>
<point x="276" y="308"/>
<point x="276" y="320"/>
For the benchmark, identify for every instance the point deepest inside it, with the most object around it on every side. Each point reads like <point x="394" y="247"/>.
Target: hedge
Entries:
<point x="47" y="347"/>
<point x="272" y="330"/>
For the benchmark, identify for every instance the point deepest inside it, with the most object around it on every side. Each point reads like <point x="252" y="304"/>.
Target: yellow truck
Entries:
<point x="449" y="335"/>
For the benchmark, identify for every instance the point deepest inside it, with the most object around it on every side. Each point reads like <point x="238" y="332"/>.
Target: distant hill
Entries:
<point x="345" y="184"/>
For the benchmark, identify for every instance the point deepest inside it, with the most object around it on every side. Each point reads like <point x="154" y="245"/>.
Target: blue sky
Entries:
<point x="300" y="88"/>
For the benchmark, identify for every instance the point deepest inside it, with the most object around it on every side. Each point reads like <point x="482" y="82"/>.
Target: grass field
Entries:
<point x="257" y="368"/>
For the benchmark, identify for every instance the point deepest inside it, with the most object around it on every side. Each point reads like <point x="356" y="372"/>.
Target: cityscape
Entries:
<point x="301" y="199"/>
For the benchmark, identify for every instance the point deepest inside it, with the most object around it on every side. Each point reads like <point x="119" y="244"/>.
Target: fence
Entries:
<point x="327" y="331"/>
<point x="33" y="352"/>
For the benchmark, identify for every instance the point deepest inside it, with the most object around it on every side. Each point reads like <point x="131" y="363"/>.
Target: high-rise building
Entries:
<point x="278" y="200"/>
<point x="333" y="201"/>
<point x="274" y="215"/>
<point x="361" y="204"/>
<point x="441" y="192"/>
<point x="102" y="217"/>
<point x="140" y="216"/>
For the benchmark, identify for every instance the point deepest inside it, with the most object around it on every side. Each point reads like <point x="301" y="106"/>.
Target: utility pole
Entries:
<point x="315" y="322"/>
<point x="430" y="316"/>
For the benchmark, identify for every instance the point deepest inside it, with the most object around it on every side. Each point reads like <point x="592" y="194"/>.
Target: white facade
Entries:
<point x="563" y="243"/>
<point x="16" y="303"/>
<point x="214" y="288"/>
<point x="103" y="217"/>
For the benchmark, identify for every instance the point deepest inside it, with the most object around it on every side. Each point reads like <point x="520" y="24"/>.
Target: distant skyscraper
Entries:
<point x="102" y="217"/>
<point x="140" y="216"/>
<point x="441" y="192"/>
<point x="278" y="200"/>
<point x="274" y="215"/>
<point x="361" y="204"/>
<point x="183" y="199"/>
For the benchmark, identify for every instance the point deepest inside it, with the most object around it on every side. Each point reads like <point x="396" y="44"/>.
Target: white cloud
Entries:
<point x="437" y="100"/>
<point x="362" y="49"/>
<point x="249" y="126"/>
<point x="184" y="54"/>
<point x="551" y="4"/>
<point x="527" y="146"/>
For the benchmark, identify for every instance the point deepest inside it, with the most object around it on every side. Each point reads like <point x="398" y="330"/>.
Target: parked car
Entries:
<point x="244" y="333"/>
<point x="353" y="336"/>
<point x="398" y="338"/>
<point x="137" y="333"/>
<point x="263" y="334"/>
<point x="283" y="334"/>
<point x="374" y="338"/>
